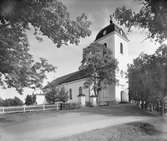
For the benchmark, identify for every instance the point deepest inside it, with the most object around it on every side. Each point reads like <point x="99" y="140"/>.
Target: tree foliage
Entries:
<point x="101" y="65"/>
<point x="52" y="94"/>
<point x="11" y="102"/>
<point x="48" y="18"/>
<point x="30" y="99"/>
<point x="62" y="95"/>
<point x="152" y="16"/>
<point x="147" y="77"/>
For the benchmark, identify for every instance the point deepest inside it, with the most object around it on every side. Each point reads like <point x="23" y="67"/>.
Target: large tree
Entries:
<point x="147" y="77"/>
<point x="152" y="16"/>
<point x="48" y="18"/>
<point x="98" y="60"/>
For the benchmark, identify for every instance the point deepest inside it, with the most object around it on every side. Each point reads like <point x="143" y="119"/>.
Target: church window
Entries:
<point x="80" y="90"/>
<point x="121" y="48"/>
<point x="105" y="44"/>
<point x="104" y="32"/>
<point x="104" y="51"/>
<point x="70" y="93"/>
<point x="121" y="32"/>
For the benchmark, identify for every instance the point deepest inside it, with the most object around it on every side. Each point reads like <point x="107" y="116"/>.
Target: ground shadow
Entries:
<point x="116" y="110"/>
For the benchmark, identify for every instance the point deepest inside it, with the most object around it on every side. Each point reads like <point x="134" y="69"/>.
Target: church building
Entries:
<point x="114" y="38"/>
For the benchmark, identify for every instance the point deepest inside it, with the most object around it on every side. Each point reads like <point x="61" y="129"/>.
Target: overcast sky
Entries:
<point x="67" y="58"/>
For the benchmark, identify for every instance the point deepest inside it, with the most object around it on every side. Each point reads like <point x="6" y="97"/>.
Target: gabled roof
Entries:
<point x="109" y="29"/>
<point x="70" y="77"/>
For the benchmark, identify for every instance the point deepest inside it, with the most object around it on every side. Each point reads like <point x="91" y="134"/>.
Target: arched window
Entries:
<point x="80" y="90"/>
<point x="105" y="44"/>
<point x="104" y="51"/>
<point x="70" y="93"/>
<point x="121" y="48"/>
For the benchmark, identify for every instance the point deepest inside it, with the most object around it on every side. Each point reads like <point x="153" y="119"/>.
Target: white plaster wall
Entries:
<point x="109" y="40"/>
<point x="122" y="65"/>
<point x="122" y="58"/>
<point x="40" y="99"/>
<point x="113" y="41"/>
<point x="107" y="94"/>
<point x="75" y="90"/>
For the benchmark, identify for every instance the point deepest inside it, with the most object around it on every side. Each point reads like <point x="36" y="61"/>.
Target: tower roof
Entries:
<point x="109" y="29"/>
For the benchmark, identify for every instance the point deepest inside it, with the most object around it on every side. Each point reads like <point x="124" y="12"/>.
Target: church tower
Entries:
<point x="115" y="38"/>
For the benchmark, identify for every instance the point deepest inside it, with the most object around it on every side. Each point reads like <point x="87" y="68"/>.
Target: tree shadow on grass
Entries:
<point x="146" y="128"/>
<point x="5" y="120"/>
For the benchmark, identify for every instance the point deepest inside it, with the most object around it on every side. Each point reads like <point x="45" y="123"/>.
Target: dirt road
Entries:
<point x="52" y="125"/>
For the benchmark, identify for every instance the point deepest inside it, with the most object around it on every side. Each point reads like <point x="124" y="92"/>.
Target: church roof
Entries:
<point x="70" y="77"/>
<point x="109" y="29"/>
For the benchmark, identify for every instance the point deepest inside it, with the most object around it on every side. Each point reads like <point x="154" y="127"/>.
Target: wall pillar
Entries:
<point x="82" y="100"/>
<point x="93" y="100"/>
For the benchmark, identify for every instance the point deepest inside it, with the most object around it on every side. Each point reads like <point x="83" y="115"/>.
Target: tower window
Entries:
<point x="105" y="44"/>
<point x="121" y="48"/>
<point x="104" y="32"/>
<point x="70" y="95"/>
<point x="80" y="90"/>
<point x="104" y="51"/>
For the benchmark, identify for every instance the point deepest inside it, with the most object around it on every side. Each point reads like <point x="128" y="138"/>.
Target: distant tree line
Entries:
<point x="29" y="100"/>
<point x="148" y="79"/>
<point x="11" y="102"/>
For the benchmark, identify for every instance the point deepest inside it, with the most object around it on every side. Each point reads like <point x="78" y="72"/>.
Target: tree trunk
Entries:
<point x="142" y="105"/>
<point x="162" y="107"/>
<point x="151" y="107"/>
<point x="98" y="90"/>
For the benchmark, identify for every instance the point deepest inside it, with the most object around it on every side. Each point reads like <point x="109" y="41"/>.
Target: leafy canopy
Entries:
<point x="52" y="94"/>
<point x="152" y="16"/>
<point x="48" y="18"/>
<point x="147" y="76"/>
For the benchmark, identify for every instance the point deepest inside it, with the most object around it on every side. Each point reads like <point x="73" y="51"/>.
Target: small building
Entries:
<point x="114" y="38"/>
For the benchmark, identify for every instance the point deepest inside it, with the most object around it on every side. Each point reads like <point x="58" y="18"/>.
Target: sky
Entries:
<point x="67" y="59"/>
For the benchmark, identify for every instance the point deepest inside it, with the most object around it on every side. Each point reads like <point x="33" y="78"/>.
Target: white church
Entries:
<point x="114" y="38"/>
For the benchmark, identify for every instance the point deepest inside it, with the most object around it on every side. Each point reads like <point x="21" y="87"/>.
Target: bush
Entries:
<point x="89" y="104"/>
<point x="11" y="102"/>
<point x="1" y="102"/>
<point x="62" y="95"/>
<point x="30" y="99"/>
<point x="17" y="101"/>
<point x="54" y="95"/>
<point x="51" y="96"/>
